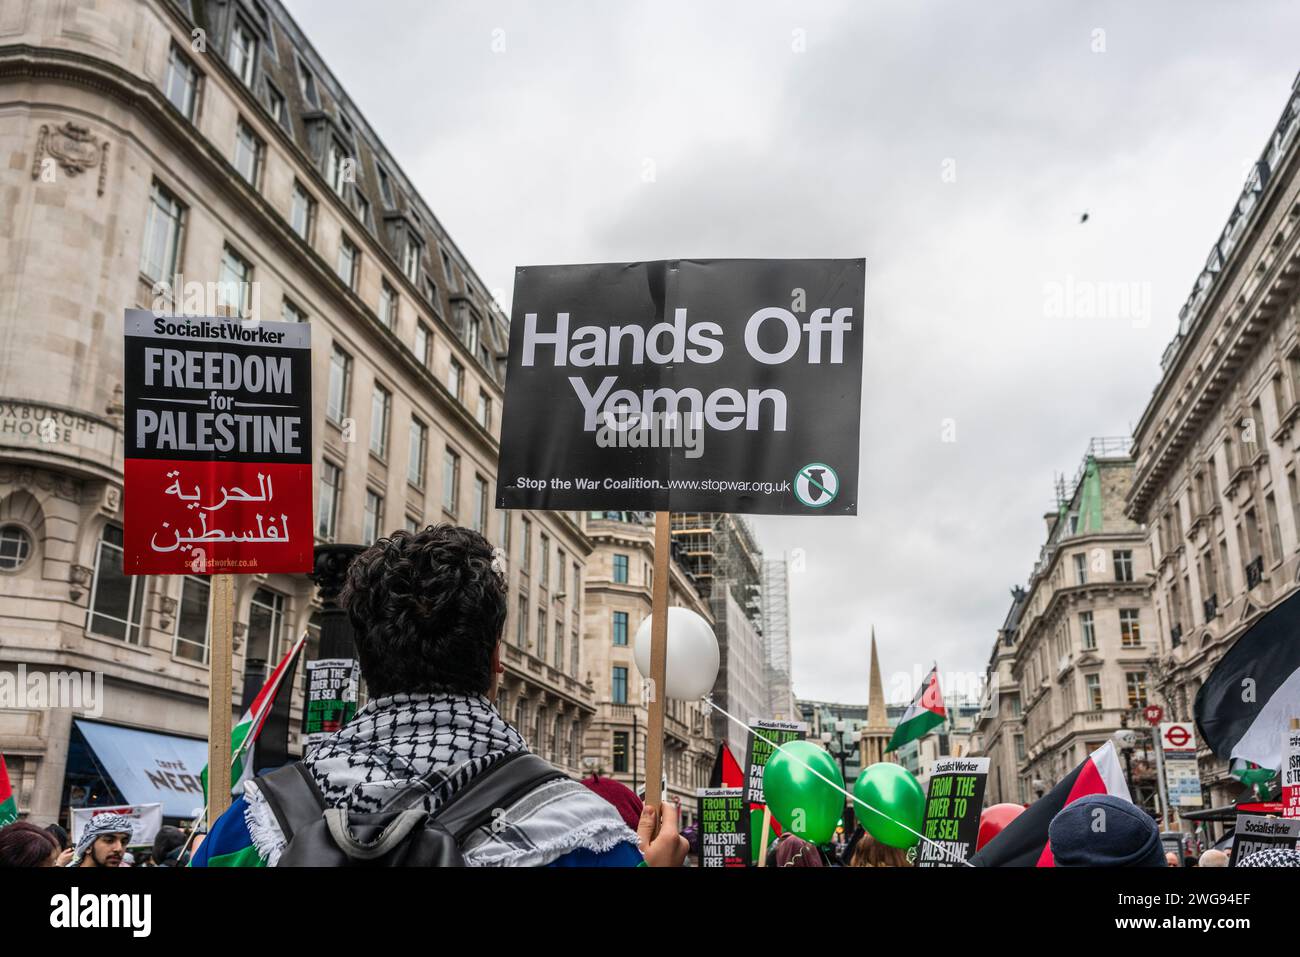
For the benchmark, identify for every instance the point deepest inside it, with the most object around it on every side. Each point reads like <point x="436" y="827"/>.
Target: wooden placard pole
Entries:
<point x="762" y="841"/>
<point x="654" y="747"/>
<point x="222" y="609"/>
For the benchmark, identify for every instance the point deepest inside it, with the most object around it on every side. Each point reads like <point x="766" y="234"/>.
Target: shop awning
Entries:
<point x="146" y="766"/>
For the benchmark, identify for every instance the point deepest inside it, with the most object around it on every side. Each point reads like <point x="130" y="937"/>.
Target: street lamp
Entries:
<point x="841" y="751"/>
<point x="1126" y="740"/>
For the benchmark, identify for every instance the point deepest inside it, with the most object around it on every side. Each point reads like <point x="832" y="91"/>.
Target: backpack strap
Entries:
<point x="293" y="797"/>
<point x="496" y="789"/>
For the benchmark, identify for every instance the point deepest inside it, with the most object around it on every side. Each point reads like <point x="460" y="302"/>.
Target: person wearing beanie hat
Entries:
<point x="103" y="842"/>
<point x="622" y="797"/>
<point x="1102" y="830"/>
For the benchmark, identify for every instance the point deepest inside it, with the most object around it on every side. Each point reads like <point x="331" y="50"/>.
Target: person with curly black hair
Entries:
<point x="428" y="609"/>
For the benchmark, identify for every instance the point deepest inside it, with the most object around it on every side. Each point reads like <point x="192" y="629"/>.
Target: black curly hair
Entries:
<point x="428" y="609"/>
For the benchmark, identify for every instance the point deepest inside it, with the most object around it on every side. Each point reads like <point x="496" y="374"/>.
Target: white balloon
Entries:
<point x="693" y="657"/>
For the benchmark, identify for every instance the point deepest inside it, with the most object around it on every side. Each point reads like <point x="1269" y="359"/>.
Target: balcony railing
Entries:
<point x="1176" y="635"/>
<point x="1255" y="572"/>
<point x="1211" y="607"/>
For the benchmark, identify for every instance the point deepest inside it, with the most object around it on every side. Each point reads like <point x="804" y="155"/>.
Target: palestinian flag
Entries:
<point x="244" y="736"/>
<point x="923" y="715"/>
<point x="726" y="770"/>
<point x="1023" y="842"/>
<point x="8" y="805"/>
<point x="1245" y="707"/>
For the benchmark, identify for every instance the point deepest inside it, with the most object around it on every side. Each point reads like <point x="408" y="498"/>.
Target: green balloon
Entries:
<point x="891" y="790"/>
<point x="805" y="804"/>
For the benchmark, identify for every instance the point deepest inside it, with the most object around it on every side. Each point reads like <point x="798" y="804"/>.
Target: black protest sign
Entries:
<point x="1255" y="832"/>
<point x="724" y="831"/>
<point x="685" y="385"/>
<point x="331" y="697"/>
<point x="760" y="749"/>
<point x="953" y="805"/>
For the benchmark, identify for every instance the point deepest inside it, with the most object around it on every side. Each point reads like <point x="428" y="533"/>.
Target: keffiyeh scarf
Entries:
<point x="439" y="743"/>
<point x="100" y="824"/>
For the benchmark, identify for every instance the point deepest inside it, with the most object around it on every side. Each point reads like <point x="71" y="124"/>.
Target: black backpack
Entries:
<point x="400" y="835"/>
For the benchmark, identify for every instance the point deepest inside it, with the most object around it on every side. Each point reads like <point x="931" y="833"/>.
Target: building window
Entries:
<point x="526" y="546"/>
<point x="14" y="548"/>
<point x="331" y="492"/>
<point x="349" y="257"/>
<point x="620" y="752"/>
<point x="182" y="83"/>
<point x="540" y="650"/>
<point x="620" y="569"/>
<point x="275" y="105"/>
<point x="234" y="290"/>
<point x="559" y="570"/>
<point x="191" y="638"/>
<point x="338" y="168"/>
<point x="546" y="561"/>
<point x="1081" y="569"/>
<point x="116" y="599"/>
<point x="521" y="623"/>
<point x="1274" y="529"/>
<point x="291" y="313"/>
<point x="163" y="229"/>
<point x="620" y="628"/>
<point x="307" y="83"/>
<point x="373" y="521"/>
<point x="421" y="347"/>
<point x="265" y="629"/>
<point x="381" y="403"/>
<point x="1093" y="688"/>
<point x="1130" y="630"/>
<point x="416" y="451"/>
<point x="361" y="206"/>
<point x="336" y="407"/>
<point x="1015" y="706"/>
<point x="619" y="690"/>
<point x="484" y="410"/>
<point x="450" y="481"/>
<point x="1123" y="560"/>
<point x="455" y="378"/>
<point x="480" y="505"/>
<point x="574" y="662"/>
<point x="385" y="186"/>
<point x="559" y="644"/>
<point x="250" y="152"/>
<point x="1137" y="689"/>
<point x="302" y="211"/>
<point x="1020" y="747"/>
<point x="472" y="335"/>
<point x="243" y="52"/>
<point x="387" y="304"/>
<point x="449" y="271"/>
<point x="412" y="524"/>
<point x="1089" y="637"/>
<point x="505" y="534"/>
<point x="411" y="259"/>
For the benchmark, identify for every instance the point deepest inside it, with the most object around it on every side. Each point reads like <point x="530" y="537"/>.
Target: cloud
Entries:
<point x="625" y="131"/>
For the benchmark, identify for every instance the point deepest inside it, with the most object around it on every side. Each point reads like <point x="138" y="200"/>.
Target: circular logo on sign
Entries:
<point x="1177" y="736"/>
<point x="816" y="485"/>
<point x="1154" y="713"/>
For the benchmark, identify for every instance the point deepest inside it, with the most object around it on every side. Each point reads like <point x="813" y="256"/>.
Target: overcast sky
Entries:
<point x="953" y="145"/>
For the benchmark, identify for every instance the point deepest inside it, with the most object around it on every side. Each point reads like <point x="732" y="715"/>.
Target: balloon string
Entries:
<point x="848" y="794"/>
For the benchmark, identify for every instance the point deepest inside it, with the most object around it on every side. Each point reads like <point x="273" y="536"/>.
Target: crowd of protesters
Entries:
<point x="428" y="609"/>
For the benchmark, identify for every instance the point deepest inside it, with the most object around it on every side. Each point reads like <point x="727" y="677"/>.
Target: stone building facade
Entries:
<point x="1086" y="635"/>
<point x="193" y="157"/>
<point x="1216" y="481"/>
<point x="620" y="576"/>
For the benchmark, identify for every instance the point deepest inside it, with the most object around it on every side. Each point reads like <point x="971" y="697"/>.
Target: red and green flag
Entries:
<point x="8" y="806"/>
<point x="925" y="713"/>
<point x="244" y="735"/>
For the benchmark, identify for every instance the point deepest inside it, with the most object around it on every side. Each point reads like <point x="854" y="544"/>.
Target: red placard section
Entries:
<point x="206" y="518"/>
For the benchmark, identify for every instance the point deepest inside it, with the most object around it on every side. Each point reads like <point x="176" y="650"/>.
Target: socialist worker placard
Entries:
<point x="218" y="474"/>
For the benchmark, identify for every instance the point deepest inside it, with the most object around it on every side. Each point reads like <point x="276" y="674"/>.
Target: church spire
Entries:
<point x="875" y="734"/>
